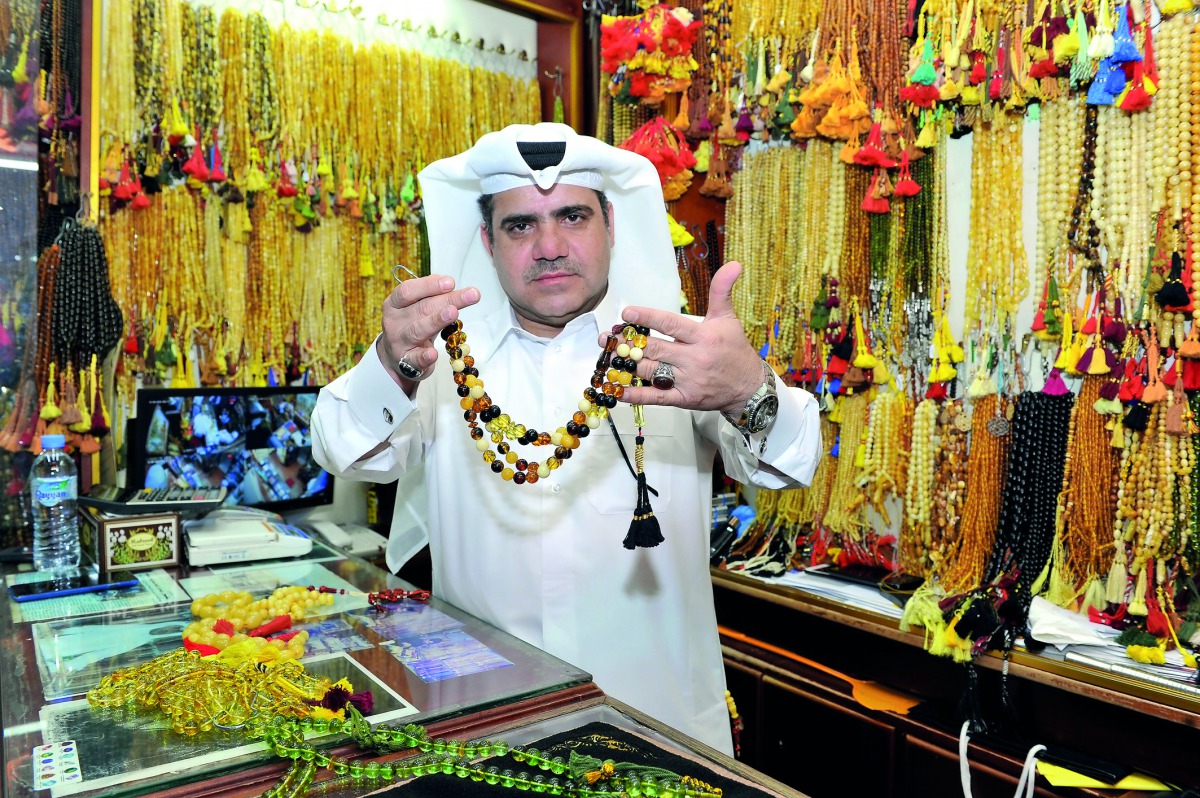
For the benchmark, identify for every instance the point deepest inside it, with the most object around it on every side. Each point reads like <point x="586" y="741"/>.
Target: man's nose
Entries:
<point x="550" y="243"/>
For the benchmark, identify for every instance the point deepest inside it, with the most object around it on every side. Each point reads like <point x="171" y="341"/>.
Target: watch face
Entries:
<point x="763" y="413"/>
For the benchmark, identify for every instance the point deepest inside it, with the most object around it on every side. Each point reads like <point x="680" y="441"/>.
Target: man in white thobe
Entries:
<point x="570" y="237"/>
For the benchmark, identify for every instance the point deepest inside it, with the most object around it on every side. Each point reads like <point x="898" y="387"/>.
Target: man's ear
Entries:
<point x="612" y="226"/>
<point x="483" y="236"/>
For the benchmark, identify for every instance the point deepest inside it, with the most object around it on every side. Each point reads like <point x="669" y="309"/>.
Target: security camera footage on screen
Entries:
<point x="259" y="446"/>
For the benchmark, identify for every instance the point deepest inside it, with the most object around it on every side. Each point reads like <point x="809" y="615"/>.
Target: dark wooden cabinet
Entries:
<point x="804" y="726"/>
<point x="820" y="746"/>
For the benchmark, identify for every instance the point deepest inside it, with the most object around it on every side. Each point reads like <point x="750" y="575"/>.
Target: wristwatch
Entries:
<point x="761" y="408"/>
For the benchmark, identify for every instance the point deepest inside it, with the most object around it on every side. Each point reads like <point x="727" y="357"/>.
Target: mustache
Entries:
<point x="541" y="267"/>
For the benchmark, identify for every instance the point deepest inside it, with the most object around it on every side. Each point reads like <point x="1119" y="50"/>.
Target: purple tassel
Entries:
<point x="1054" y="385"/>
<point x="1109" y="390"/>
<point x="1110" y="357"/>
<point x="364" y="702"/>
<point x="1085" y="360"/>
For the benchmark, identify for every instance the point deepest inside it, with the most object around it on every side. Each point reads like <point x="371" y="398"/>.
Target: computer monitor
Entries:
<point x="255" y="441"/>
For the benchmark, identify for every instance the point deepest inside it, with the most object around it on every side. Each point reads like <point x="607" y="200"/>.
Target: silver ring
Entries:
<point x="397" y="269"/>
<point x="663" y="377"/>
<point x="408" y="370"/>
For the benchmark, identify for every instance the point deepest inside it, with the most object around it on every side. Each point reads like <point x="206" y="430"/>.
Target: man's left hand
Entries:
<point x="715" y="366"/>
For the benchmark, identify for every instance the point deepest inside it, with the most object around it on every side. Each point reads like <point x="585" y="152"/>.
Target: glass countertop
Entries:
<point x="424" y="662"/>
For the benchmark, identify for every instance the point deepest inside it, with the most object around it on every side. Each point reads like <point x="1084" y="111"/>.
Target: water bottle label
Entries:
<point x="53" y="491"/>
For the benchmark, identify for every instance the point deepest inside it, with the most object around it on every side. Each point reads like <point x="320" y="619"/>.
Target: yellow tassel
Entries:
<point x="927" y="139"/>
<point x="1066" y="45"/>
<point x="178" y="127"/>
<point x="1099" y="364"/>
<point x="982" y="385"/>
<point x="1093" y="595"/>
<point x="860" y="456"/>
<point x="778" y="82"/>
<point x="1118" y="437"/>
<point x="1137" y="604"/>
<point x="1188" y="659"/>
<point x="680" y="237"/>
<point x="323" y="167"/>
<point x="1177" y="6"/>
<point x="835" y="415"/>
<point x="945" y="372"/>
<point x="365" y="267"/>
<point x="1061" y="593"/>
<point x="1118" y="579"/>
<point x="19" y="74"/>
<point x="50" y="410"/>
<point x="1040" y="582"/>
<point x="1151" y="655"/>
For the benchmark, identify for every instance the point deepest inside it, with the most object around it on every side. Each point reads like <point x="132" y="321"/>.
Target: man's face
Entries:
<point x="551" y="251"/>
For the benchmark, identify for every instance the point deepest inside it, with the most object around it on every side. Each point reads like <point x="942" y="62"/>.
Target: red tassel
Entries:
<point x="871" y="153"/>
<point x="205" y="651"/>
<point x="1191" y="375"/>
<point x="872" y="203"/>
<point x="996" y="87"/>
<point x="278" y="624"/>
<point x="1157" y="622"/>
<point x="217" y="174"/>
<point x="936" y="391"/>
<point x="1148" y="62"/>
<point x="140" y="200"/>
<point x="1169" y="375"/>
<point x="1136" y="99"/>
<point x="224" y="627"/>
<point x="1132" y="386"/>
<point x="978" y="68"/>
<point x="875" y="204"/>
<point x="195" y="167"/>
<point x="124" y="189"/>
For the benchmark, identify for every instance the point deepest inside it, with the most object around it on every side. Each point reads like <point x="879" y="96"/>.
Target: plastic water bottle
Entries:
<point x="54" y="487"/>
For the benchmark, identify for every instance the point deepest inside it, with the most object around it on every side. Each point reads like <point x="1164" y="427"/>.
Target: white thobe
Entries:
<point x="544" y="562"/>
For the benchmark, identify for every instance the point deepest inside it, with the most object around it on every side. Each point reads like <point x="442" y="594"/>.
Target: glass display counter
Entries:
<point x="427" y="663"/>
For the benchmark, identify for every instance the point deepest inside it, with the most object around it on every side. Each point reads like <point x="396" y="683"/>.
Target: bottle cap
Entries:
<point x="54" y="441"/>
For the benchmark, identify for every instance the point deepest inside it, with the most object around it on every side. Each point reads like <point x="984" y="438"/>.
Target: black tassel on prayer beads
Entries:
<point x="644" y="531"/>
<point x="1138" y="417"/>
<point x="1174" y="294"/>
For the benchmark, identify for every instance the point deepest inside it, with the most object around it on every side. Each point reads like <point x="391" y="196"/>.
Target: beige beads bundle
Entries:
<point x="245" y="614"/>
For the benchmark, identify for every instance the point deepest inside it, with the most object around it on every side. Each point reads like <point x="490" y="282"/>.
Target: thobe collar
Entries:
<point x="497" y="326"/>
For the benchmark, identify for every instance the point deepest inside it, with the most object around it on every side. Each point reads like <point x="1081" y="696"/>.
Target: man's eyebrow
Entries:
<point x="574" y="210"/>
<point x="558" y="213"/>
<point x="519" y="218"/>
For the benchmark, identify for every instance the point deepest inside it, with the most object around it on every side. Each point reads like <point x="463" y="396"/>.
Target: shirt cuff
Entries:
<point x="375" y="400"/>
<point x="777" y="440"/>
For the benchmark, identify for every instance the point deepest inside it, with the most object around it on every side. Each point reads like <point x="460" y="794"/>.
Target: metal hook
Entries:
<point x="557" y="74"/>
<point x="396" y="273"/>
<point x="698" y="238"/>
<point x="84" y="214"/>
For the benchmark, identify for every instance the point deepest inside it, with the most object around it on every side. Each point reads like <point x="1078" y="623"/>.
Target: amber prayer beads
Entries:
<point x="615" y="369"/>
